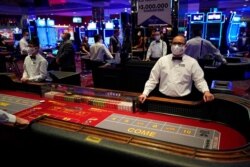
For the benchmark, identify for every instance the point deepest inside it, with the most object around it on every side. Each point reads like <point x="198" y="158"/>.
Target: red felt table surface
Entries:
<point x="91" y="115"/>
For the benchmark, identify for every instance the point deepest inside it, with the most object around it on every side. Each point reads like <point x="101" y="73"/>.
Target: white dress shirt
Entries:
<point x="6" y="117"/>
<point x="157" y="49"/>
<point x="176" y="76"/>
<point x="23" y="46"/>
<point x="35" y="69"/>
<point x="198" y="48"/>
<point x="98" y="51"/>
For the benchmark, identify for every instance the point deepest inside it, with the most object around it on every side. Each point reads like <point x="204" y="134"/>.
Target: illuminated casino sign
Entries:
<point x="197" y="17"/>
<point x="214" y="17"/>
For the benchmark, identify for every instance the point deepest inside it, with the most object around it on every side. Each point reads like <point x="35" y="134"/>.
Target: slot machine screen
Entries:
<point x="42" y="35"/>
<point x="214" y="17"/>
<point x="107" y="35"/>
<point x="198" y="17"/>
<point x="50" y="23"/>
<point x="77" y="20"/>
<point x="41" y="23"/>
<point x="90" y="35"/>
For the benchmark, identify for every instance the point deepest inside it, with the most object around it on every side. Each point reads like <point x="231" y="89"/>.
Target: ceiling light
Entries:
<point x="245" y="5"/>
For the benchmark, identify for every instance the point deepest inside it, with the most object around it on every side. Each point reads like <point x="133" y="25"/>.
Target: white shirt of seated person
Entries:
<point x="35" y="66"/>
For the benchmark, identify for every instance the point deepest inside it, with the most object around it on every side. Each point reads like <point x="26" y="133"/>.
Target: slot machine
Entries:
<point x="91" y="32"/>
<point x="233" y="28"/>
<point x="108" y="32"/>
<point x="51" y="30"/>
<point x="42" y="32"/>
<point x="214" y="27"/>
<point x="196" y="21"/>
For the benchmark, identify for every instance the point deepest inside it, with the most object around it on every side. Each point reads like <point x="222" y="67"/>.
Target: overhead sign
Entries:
<point x="154" y="12"/>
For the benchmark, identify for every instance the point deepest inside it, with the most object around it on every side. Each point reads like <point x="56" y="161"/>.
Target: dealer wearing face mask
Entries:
<point x="175" y="73"/>
<point x="157" y="48"/>
<point x="35" y="66"/>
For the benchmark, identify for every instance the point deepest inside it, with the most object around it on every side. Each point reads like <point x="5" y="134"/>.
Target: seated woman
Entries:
<point x="141" y="42"/>
<point x="84" y="49"/>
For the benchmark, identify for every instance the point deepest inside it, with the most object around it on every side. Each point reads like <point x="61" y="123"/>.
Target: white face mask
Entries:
<point x="177" y="50"/>
<point x="31" y="51"/>
<point x="157" y="38"/>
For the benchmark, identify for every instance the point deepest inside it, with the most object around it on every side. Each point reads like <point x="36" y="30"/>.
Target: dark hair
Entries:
<point x="97" y="37"/>
<point x="67" y="35"/>
<point x="35" y="41"/>
<point x="24" y="32"/>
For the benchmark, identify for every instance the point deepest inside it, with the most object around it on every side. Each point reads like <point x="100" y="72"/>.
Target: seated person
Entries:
<point x="99" y="54"/>
<point x="141" y="42"/>
<point x="98" y="51"/>
<point x="35" y="66"/>
<point x="157" y="48"/>
<point x="85" y="46"/>
<point x="199" y="48"/>
<point x="175" y="74"/>
<point x="12" y="119"/>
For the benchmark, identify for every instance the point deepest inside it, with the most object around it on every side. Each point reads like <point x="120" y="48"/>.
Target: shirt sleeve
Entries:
<point x="23" y="47"/>
<point x="107" y="52"/>
<point x="216" y="53"/>
<point x="198" y="78"/>
<point x="149" y="52"/>
<point x="43" y="72"/>
<point x="6" y="117"/>
<point x="25" y="74"/>
<point x="164" y="48"/>
<point x="153" y="79"/>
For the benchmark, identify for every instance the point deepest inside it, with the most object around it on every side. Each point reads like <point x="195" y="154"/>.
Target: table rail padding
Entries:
<point x="172" y="100"/>
<point x="162" y="150"/>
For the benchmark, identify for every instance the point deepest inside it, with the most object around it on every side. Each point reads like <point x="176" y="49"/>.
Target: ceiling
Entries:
<point x="84" y="7"/>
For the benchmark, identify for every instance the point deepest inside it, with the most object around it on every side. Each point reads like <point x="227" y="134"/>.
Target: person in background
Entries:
<point x="141" y="44"/>
<point x="99" y="55"/>
<point x="114" y="43"/>
<point x="65" y="57"/>
<point x="98" y="51"/>
<point x="35" y="65"/>
<point x="157" y="48"/>
<point x="164" y="37"/>
<point x="85" y="46"/>
<point x="199" y="48"/>
<point x="175" y="74"/>
<point x="7" y="118"/>
<point x="24" y="44"/>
